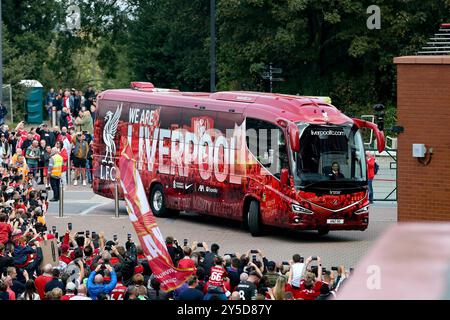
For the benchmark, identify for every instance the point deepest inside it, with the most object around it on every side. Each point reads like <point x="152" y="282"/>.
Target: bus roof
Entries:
<point x="264" y="106"/>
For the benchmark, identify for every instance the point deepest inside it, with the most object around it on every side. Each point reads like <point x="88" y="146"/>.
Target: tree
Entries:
<point x="168" y="43"/>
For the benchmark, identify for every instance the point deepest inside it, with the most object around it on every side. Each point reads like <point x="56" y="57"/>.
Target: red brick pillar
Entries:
<point x="423" y="109"/>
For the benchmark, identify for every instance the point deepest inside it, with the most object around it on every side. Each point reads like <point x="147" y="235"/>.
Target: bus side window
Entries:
<point x="267" y="143"/>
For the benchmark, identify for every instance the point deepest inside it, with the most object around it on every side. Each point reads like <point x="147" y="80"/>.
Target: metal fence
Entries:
<point x="385" y="182"/>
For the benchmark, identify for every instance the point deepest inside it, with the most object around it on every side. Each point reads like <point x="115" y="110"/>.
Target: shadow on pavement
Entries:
<point x="308" y="235"/>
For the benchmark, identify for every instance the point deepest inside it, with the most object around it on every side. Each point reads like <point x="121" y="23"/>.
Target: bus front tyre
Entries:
<point x="254" y="223"/>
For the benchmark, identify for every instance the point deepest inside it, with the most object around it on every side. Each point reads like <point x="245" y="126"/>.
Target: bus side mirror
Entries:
<point x="284" y="177"/>
<point x="294" y="137"/>
<point x="381" y="144"/>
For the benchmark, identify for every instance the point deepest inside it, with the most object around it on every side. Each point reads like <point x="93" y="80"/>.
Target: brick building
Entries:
<point x="423" y="109"/>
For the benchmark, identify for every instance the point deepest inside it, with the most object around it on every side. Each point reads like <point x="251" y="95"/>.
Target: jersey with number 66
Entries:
<point x="216" y="276"/>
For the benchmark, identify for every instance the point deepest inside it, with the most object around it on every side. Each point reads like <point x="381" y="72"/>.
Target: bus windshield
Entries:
<point x="329" y="156"/>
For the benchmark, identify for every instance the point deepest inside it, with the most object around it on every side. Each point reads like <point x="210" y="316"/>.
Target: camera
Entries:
<point x="313" y="258"/>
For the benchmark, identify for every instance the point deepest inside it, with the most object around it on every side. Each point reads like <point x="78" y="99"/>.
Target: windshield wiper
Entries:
<point x="351" y="184"/>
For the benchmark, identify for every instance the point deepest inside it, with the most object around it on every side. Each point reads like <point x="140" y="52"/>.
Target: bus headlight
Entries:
<point x="299" y="209"/>
<point x="362" y="210"/>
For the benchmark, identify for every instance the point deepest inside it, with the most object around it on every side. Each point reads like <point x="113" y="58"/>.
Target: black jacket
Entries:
<point x="63" y="120"/>
<point x="25" y="145"/>
<point x="54" y="283"/>
<point x="5" y="262"/>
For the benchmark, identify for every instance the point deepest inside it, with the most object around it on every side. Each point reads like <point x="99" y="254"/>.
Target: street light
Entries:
<point x="212" y="54"/>
<point x="1" y="54"/>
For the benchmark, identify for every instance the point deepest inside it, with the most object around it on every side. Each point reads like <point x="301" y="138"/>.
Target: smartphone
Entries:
<point x="253" y="251"/>
<point x="80" y="233"/>
<point x="87" y="233"/>
<point x="56" y="235"/>
<point x="314" y="258"/>
<point x="69" y="226"/>
<point x="200" y="245"/>
<point x="115" y="237"/>
<point x="93" y="234"/>
<point x="302" y="260"/>
<point x="129" y="236"/>
<point x="334" y="268"/>
<point x="285" y="263"/>
<point x="185" y="242"/>
<point x="53" y="229"/>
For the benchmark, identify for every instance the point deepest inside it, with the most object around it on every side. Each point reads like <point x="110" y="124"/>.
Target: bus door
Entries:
<point x="267" y="143"/>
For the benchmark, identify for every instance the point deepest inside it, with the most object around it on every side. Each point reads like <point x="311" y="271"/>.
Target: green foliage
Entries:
<point x="168" y="44"/>
<point x="323" y="46"/>
<point x="17" y="66"/>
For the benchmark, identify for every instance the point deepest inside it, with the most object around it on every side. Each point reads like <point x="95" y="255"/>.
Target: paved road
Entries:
<point x="89" y="211"/>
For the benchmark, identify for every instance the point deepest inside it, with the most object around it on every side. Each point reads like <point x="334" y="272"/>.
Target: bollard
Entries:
<point x="69" y="171"/>
<point x="53" y="117"/>
<point x="116" y="200"/>
<point x="61" y="200"/>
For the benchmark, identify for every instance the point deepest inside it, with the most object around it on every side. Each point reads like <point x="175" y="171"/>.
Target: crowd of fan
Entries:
<point x="94" y="268"/>
<point x="30" y="150"/>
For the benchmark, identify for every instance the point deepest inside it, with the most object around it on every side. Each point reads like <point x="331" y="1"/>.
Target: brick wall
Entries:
<point x="423" y="109"/>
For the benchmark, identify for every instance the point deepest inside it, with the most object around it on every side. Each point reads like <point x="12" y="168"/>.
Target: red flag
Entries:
<point x="144" y="223"/>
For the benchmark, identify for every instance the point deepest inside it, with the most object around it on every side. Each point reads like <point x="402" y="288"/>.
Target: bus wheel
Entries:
<point x="323" y="231"/>
<point x="253" y="218"/>
<point x="158" y="202"/>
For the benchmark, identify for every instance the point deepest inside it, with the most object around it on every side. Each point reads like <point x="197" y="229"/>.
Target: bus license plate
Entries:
<point x="335" y="221"/>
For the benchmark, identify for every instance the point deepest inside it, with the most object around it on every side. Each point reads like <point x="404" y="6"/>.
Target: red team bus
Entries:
<point x="264" y="159"/>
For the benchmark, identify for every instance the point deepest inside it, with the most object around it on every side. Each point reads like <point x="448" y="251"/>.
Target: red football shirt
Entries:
<point x="186" y="263"/>
<point x="217" y="275"/>
<point x="118" y="292"/>
<point x="67" y="296"/>
<point x="40" y="283"/>
<point x="5" y="231"/>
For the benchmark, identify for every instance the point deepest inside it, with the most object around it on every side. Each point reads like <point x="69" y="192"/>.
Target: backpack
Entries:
<point x="376" y="167"/>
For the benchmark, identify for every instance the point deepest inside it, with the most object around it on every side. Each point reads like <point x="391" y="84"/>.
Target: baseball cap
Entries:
<point x="71" y="286"/>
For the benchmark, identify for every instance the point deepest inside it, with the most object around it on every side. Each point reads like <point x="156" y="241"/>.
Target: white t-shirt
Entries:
<point x="78" y="297"/>
<point x="35" y="297"/>
<point x="297" y="272"/>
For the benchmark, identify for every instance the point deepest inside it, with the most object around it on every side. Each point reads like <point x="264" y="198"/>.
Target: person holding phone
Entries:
<point x="296" y="271"/>
<point x="96" y="285"/>
<point x="186" y="262"/>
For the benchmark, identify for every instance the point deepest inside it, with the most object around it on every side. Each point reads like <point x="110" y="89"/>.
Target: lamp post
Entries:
<point x="212" y="53"/>
<point x="1" y="54"/>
